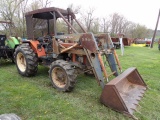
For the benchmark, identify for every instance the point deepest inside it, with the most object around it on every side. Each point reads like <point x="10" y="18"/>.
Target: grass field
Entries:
<point x="34" y="98"/>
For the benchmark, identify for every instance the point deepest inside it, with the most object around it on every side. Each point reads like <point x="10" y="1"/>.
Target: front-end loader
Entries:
<point x="68" y="55"/>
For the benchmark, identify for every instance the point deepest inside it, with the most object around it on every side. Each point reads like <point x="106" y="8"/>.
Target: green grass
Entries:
<point x="157" y="36"/>
<point x="34" y="98"/>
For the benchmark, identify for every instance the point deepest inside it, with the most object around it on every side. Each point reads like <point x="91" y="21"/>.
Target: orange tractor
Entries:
<point x="68" y="55"/>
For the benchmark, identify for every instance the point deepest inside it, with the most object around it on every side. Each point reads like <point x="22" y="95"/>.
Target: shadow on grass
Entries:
<point x="6" y="63"/>
<point x="42" y="71"/>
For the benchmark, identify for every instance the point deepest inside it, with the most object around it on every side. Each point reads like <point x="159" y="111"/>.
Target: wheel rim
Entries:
<point x="21" y="62"/>
<point x="59" y="77"/>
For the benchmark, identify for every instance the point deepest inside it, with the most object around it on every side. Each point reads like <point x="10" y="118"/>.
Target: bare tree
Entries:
<point x="116" y="22"/>
<point x="37" y="4"/>
<point x="75" y="9"/>
<point x="95" y="28"/>
<point x="9" y="11"/>
<point x="8" y="8"/>
<point x="88" y="18"/>
<point x="14" y="11"/>
<point x="19" y="19"/>
<point x="45" y="3"/>
<point x="128" y="29"/>
<point x="104" y="24"/>
<point x="119" y="24"/>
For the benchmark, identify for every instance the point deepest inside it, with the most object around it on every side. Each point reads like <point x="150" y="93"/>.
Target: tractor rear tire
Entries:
<point x="62" y="75"/>
<point x="26" y="60"/>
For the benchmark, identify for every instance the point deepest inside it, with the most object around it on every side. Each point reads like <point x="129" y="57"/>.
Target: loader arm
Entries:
<point x="94" y="55"/>
<point x="95" y="48"/>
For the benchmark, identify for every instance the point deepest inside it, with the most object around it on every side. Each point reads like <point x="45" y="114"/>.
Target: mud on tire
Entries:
<point x="62" y="75"/>
<point x="26" y="60"/>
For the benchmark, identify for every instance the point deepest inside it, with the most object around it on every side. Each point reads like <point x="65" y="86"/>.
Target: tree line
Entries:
<point x="14" y="11"/>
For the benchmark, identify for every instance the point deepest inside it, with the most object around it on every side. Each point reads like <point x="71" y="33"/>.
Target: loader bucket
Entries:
<point x="124" y="92"/>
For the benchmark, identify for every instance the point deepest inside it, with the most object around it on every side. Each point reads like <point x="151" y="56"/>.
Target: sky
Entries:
<point x="144" y="12"/>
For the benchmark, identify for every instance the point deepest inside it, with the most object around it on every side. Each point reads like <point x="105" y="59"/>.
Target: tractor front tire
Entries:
<point x="62" y="75"/>
<point x="26" y="60"/>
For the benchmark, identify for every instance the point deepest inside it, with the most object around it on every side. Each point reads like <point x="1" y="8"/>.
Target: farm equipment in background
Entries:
<point x="143" y="42"/>
<point x="148" y="42"/>
<point x="68" y="55"/>
<point x="116" y="42"/>
<point x="7" y="45"/>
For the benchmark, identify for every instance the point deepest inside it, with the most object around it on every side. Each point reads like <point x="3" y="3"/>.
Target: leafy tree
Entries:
<point x="140" y="31"/>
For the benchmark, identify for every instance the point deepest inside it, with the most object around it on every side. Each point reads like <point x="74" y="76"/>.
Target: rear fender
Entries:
<point x="37" y="48"/>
